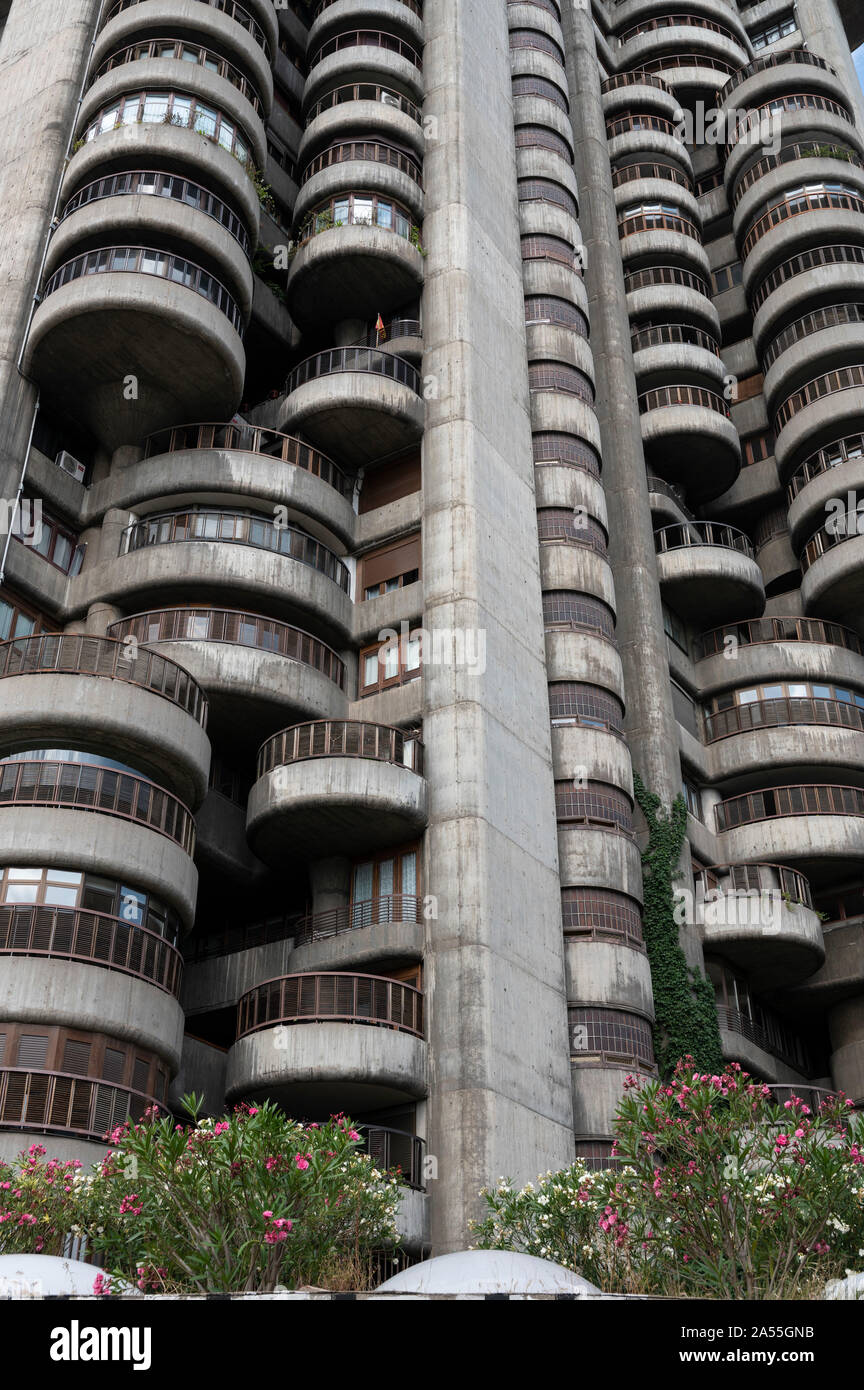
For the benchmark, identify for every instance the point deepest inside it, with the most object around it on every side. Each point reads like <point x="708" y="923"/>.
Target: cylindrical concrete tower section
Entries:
<point x="649" y="719"/>
<point x="821" y="23"/>
<point x="43" y="55"/>
<point x="499" y="1074"/>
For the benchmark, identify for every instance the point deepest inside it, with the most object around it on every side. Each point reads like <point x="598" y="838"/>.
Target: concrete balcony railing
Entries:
<point x="790" y="208"/>
<point x="366" y="999"/>
<point x="817" y="411"/>
<point x="377" y="110"/>
<point x="59" y="1103"/>
<point x="672" y="419"/>
<point x="820" y="320"/>
<point x="145" y="260"/>
<point x="365" y="55"/>
<point x="672" y="348"/>
<point x="831" y="564"/>
<point x="142" y="703"/>
<point x="761" y="918"/>
<point x="180" y="50"/>
<point x="708" y="567"/>
<point x="650" y="172"/>
<point x="808" y="823"/>
<point x="772" y="714"/>
<point x="810" y="103"/>
<point x="361" y="403"/>
<point x="92" y="938"/>
<point x="232" y="8"/>
<point x="835" y="158"/>
<point x="792" y="284"/>
<point x="367" y="38"/>
<point x="149" y="182"/>
<point x="371" y="151"/>
<point x="777" y="802"/>
<point x="251" y="439"/>
<point x="636" y="77"/>
<point x="770" y="62"/>
<point x="774" y="630"/>
<point x="85" y="787"/>
<point x="340" y="781"/>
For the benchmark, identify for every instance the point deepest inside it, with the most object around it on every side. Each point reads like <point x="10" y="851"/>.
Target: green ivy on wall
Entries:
<point x="686" y="1016"/>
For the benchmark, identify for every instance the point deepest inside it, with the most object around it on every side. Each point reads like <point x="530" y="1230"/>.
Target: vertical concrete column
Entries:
<point x="330" y="881"/>
<point x="100" y="616"/>
<point x="42" y="61"/>
<point x="822" y="27"/>
<point x="846" y="1026"/>
<point x="499" y="1063"/>
<point x="649" y="718"/>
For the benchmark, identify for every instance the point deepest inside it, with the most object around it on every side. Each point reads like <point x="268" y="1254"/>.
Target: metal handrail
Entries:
<point x="817" y="256"/>
<point x="832" y="316"/>
<point x="331" y="997"/>
<point x="692" y="533"/>
<point x="787" y="209"/>
<point x="648" y="120"/>
<point x="135" y="51"/>
<point x="364" y="91"/>
<point x="101" y="262"/>
<point x="62" y="1103"/>
<point x="634" y="78"/>
<point x="663" y="396"/>
<point x="653" y="275"/>
<point x="805" y="799"/>
<point x="341" y="738"/>
<point x="86" y="787"/>
<point x="96" y="938"/>
<point x="229" y="7"/>
<point x="787" y="155"/>
<point x="251" y="439"/>
<point x="695" y="60"/>
<point x="235" y="528"/>
<point x="776" y="60"/>
<point x="78" y="654"/>
<point x="236" y="628"/>
<point x="841" y="379"/>
<point x="658" y="335"/>
<point x="676" y="21"/>
<point x="389" y="908"/>
<point x="375" y="151"/>
<point x="785" y="710"/>
<point x="793" y="101"/>
<point x="780" y="1044"/>
<point x="354" y="359"/>
<point x="790" y="880"/>
<point x="757" y="631"/>
<point x="658" y="221"/>
<point x="629" y="173"/>
<point x="367" y="38"/>
<point x="156" y="183"/>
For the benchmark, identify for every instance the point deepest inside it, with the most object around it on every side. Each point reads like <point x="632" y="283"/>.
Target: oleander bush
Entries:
<point x="246" y="1203"/>
<point x="720" y="1192"/>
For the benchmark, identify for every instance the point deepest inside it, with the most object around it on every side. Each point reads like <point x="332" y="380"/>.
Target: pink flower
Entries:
<point x="102" y="1286"/>
<point x="267" y="1215"/>
<point x="302" y="1163"/>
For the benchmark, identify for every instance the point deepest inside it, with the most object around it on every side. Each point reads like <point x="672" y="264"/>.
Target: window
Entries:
<point x="390" y="663"/>
<point x="675" y="629"/>
<point x="48" y="538"/>
<point x="693" y="798"/>
<point x="391" y="567"/>
<point x="393" y="877"/>
<point x="19" y="619"/>
<point x="780" y="29"/>
<point x="576" y="703"/>
<point x="726" y="276"/>
<point x="66" y="888"/>
<point x="758" y="447"/>
<point x="390" y="482"/>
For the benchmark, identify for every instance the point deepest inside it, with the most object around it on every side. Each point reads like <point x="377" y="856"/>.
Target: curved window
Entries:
<point x="546" y="191"/>
<point x="570" y="609"/>
<point x="70" y="888"/>
<point x="144" y="260"/>
<point x="612" y="1034"/>
<point x="593" y="803"/>
<point x="598" y="912"/>
<point x="184" y="52"/>
<point x="570" y="525"/>
<point x="572" y="702"/>
<point x="567" y="449"/>
<point x="560" y="376"/>
<point x="360" y="210"/>
<point x="179" y="109"/>
<point x="144" y="182"/>
<point x="525" y="86"/>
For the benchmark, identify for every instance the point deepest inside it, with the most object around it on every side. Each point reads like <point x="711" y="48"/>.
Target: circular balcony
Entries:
<point x="367" y="106"/>
<point x="826" y="337"/>
<point x="659" y="290"/>
<point x="105" y="691"/>
<point x="658" y="236"/>
<point x="705" y="567"/>
<point x="807" y="162"/>
<point x="779" y="648"/>
<point x="773" y="73"/>
<point x="787" y="732"/>
<point x="654" y="181"/>
<point x="799" y="115"/>
<point x="640" y="133"/>
<point x="761" y="918"/>
<point x="239" y="460"/>
<point x="255" y="669"/>
<point x="59" y="1104"/>
<point x="686" y="45"/>
<point x="364" y="55"/>
<point x="830" y="472"/>
<point x="821" y="827"/>
<point x="674" y="351"/>
<point x="381" y="932"/>
<point x="799" y="221"/>
<point x="835" y="269"/>
<point x="216" y="27"/>
<point x="358" y="255"/>
<point x="354" y="785"/>
<point x="636" y="89"/>
<point x="249" y="556"/>
<point x="832" y="564"/>
<point x="160" y="66"/>
<point x="141" y="308"/>
<point x="814" y="414"/>
<point x="673" y="419"/>
<point x="365" y="1052"/>
<point x="400" y="17"/>
<point x="91" y="938"/>
<point x="101" y="820"/>
<point x="360" y="403"/>
<point x="373" y="164"/>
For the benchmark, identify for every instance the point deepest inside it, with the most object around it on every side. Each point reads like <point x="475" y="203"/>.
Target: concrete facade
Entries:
<point x="407" y="511"/>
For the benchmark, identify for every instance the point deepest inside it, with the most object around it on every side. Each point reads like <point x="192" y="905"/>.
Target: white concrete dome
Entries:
<point x="487" y="1271"/>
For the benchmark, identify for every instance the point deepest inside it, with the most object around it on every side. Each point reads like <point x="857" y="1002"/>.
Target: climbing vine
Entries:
<point x="686" y="1017"/>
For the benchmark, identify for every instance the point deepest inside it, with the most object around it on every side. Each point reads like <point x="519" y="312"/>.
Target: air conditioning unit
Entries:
<point x="70" y="464"/>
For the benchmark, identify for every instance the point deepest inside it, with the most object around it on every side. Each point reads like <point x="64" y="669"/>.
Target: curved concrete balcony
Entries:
<point x="829" y="473"/>
<point x="761" y="918"/>
<point x="673" y="419"/>
<point x="58" y="976"/>
<point x="832" y="564"/>
<point x="644" y="134"/>
<point x="828" y="337"/>
<point x="653" y="181"/>
<point x="806" y="162"/>
<point x="218" y="554"/>
<point x="606" y="762"/>
<point x="775" y="74"/>
<point x="767" y="1049"/>
<point x="690" y="45"/>
<point x="370" y="164"/>
<point x="130" y="145"/>
<point x="693" y="75"/>
<point x="614" y="971"/>
<point x="796" y="224"/>
<point x="823" y="408"/>
<point x="662" y="237"/>
<point x="664" y="289"/>
<point x="377" y="933"/>
<point x="350" y="268"/>
<point x="354" y="785"/>
<point x="105" y="693"/>
<point x="364" y="1052"/>
<point x="102" y="821"/>
<point x="92" y="940"/>
<point x="222" y="26"/>
<point x="800" y="116"/>
<point x="141" y="308"/>
<point x="57" y="1103"/>
<point x="598" y="1090"/>
<point x="239" y="461"/>
<point x="706" y="567"/>
<point x="378" y="110"/>
<point x="605" y="1044"/>
<point x="369" y="55"/>
<point x="582" y="654"/>
<point x="672" y="352"/>
<point x="95" y="217"/>
<point x="397" y="16"/>
<point x="813" y="824"/>
<point x="825" y="274"/>
<point x="788" y="732"/>
<point x="598" y="856"/>
<point x="225" y="92"/>
<point x="779" y="648"/>
<point x="254" y="669"/>
<point x="359" y="403"/>
<point x="638" y="90"/>
<point x="577" y="568"/>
